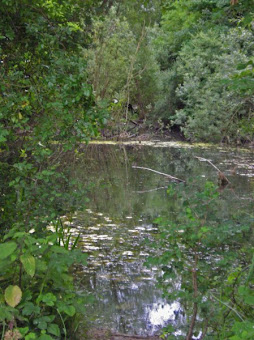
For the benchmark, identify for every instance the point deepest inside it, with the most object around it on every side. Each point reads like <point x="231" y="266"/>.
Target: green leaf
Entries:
<point x="5" y="313"/>
<point x="30" y="309"/>
<point x="30" y="336"/>
<point x="6" y="249"/>
<point x="28" y="262"/>
<point x="45" y="337"/>
<point x="59" y="250"/>
<point x="23" y="330"/>
<point x="49" y="299"/>
<point x="54" y="329"/>
<point x="13" y="295"/>
<point x="41" y="323"/>
<point x="69" y="310"/>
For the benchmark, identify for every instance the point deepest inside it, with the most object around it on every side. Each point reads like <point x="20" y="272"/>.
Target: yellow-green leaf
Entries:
<point x="28" y="262"/>
<point x="13" y="295"/>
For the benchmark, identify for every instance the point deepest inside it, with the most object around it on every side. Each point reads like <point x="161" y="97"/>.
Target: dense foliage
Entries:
<point x="188" y="63"/>
<point x="204" y="43"/>
<point x="179" y="62"/>
<point x="47" y="106"/>
<point x="122" y="66"/>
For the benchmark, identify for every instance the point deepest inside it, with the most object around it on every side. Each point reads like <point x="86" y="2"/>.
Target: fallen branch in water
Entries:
<point x="159" y="173"/>
<point x="222" y="178"/>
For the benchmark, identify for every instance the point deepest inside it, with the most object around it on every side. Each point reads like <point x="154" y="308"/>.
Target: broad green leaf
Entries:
<point x="28" y="262"/>
<point x="5" y="313"/>
<point x="69" y="310"/>
<point x="45" y="337"/>
<point x="7" y="249"/>
<point x="41" y="323"/>
<point x="49" y="299"/>
<point x="23" y="331"/>
<point x="13" y="295"/>
<point x="54" y="329"/>
<point x="30" y="336"/>
<point x="30" y="308"/>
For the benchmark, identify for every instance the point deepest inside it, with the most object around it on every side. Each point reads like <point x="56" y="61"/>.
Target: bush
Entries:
<point x="212" y="111"/>
<point x="36" y="286"/>
<point x="122" y="66"/>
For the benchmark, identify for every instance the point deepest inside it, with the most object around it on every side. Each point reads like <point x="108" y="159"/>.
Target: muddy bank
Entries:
<point x="141" y="132"/>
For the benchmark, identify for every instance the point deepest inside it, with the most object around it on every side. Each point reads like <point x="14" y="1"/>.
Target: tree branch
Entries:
<point x="222" y="178"/>
<point x="159" y="173"/>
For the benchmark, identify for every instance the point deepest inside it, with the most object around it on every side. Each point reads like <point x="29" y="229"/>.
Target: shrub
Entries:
<point x="212" y="111"/>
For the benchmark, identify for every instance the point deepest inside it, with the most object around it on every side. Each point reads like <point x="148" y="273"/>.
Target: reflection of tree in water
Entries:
<point x="125" y="296"/>
<point x="116" y="183"/>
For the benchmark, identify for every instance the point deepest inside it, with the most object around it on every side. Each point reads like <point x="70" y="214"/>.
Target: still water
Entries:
<point x="116" y="223"/>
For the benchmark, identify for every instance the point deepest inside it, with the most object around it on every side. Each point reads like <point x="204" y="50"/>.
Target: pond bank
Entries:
<point x="166" y="135"/>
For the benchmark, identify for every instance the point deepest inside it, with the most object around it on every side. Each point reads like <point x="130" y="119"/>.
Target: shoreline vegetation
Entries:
<point x="72" y="70"/>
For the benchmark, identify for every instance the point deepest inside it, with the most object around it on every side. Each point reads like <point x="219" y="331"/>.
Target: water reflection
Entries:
<point x="160" y="313"/>
<point x="118" y="221"/>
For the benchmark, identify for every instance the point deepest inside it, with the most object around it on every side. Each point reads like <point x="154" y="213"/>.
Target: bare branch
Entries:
<point x="222" y="178"/>
<point x="159" y="173"/>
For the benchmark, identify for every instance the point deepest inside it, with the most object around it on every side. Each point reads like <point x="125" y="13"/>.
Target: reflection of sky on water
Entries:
<point x="161" y="313"/>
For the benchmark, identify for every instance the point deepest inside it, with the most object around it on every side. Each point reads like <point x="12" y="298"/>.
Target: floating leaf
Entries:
<point x="13" y="295"/>
<point x="28" y="262"/>
<point x="7" y="249"/>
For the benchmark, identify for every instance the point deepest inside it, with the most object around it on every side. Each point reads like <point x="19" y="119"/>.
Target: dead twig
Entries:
<point x="222" y="178"/>
<point x="159" y="173"/>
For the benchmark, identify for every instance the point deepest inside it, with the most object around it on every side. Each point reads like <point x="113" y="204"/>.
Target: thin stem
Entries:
<point x="204" y="330"/>
<point x="225" y="304"/>
<point x="64" y="328"/>
<point x="3" y="331"/>
<point x="131" y="68"/>
<point x="195" y="295"/>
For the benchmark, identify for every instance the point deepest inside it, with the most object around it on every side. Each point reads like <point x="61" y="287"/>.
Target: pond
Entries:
<point x="118" y="221"/>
